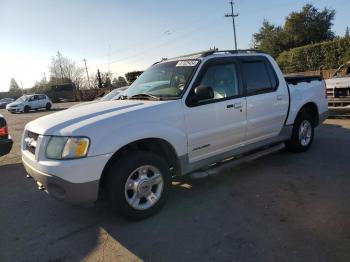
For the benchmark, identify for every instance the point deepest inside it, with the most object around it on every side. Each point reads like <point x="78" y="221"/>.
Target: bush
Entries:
<point x="325" y="55"/>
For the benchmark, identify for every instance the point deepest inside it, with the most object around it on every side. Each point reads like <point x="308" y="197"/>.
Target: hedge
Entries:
<point x="325" y="55"/>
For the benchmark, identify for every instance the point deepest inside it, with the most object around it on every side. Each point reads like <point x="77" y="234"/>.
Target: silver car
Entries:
<point x="5" y="101"/>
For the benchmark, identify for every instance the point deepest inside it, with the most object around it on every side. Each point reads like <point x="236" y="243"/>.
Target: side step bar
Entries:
<point x="229" y="163"/>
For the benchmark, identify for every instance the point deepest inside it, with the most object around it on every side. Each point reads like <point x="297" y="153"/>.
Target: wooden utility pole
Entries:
<point x="87" y="72"/>
<point x="233" y="15"/>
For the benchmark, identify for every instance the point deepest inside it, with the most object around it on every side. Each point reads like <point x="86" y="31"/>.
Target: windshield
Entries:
<point x="163" y="80"/>
<point x="342" y="71"/>
<point x="22" y="99"/>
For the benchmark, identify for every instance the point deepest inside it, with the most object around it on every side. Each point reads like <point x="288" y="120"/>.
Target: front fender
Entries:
<point x="117" y="138"/>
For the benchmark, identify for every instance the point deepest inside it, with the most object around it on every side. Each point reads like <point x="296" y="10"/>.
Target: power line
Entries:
<point x="137" y="43"/>
<point x="87" y="73"/>
<point x="233" y="15"/>
<point x="155" y="47"/>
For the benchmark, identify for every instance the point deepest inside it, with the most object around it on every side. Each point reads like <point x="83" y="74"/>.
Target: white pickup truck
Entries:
<point x="338" y="89"/>
<point x="182" y="115"/>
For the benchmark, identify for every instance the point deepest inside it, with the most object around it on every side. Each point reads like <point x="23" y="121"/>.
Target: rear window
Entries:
<point x="257" y="77"/>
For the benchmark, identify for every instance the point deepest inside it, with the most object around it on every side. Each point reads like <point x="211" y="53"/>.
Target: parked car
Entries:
<point x="5" y="140"/>
<point x="113" y="95"/>
<point x="338" y="88"/>
<point x="5" y="101"/>
<point x="204" y="111"/>
<point x="30" y="102"/>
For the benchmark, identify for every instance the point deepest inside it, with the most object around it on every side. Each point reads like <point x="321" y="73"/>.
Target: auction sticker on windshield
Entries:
<point x="187" y="63"/>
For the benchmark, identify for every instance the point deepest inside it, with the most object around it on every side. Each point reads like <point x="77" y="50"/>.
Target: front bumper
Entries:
<point x="5" y="146"/>
<point x="13" y="109"/>
<point x="74" y="193"/>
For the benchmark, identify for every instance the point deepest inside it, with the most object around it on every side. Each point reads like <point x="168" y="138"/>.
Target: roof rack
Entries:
<point x="212" y="52"/>
<point x="240" y="51"/>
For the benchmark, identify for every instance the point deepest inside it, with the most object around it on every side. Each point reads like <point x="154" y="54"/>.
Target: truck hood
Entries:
<point x="338" y="82"/>
<point x="72" y="121"/>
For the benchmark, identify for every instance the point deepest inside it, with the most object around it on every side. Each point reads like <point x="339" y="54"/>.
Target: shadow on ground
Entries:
<point x="283" y="207"/>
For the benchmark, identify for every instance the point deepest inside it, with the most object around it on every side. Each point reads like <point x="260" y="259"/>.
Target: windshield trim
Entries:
<point x="190" y="79"/>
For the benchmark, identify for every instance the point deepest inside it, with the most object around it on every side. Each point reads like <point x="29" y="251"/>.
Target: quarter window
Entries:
<point x="257" y="77"/>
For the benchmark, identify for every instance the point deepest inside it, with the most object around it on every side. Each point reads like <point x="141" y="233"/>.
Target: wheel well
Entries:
<point x="156" y="145"/>
<point x="311" y="109"/>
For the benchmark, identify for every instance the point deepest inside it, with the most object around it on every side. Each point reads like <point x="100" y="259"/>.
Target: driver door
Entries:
<point x="217" y="125"/>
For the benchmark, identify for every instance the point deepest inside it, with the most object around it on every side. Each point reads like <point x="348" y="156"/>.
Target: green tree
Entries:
<point x="132" y="76"/>
<point x="308" y="26"/>
<point x="14" y="87"/>
<point x="270" y="39"/>
<point x="347" y="32"/>
<point x="122" y="81"/>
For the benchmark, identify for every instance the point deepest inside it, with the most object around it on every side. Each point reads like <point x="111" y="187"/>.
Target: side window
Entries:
<point x="42" y="97"/>
<point x="222" y="78"/>
<point x="257" y="77"/>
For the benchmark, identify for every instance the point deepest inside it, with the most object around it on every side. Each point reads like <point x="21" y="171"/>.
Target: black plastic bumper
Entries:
<point x="73" y="193"/>
<point x="5" y="146"/>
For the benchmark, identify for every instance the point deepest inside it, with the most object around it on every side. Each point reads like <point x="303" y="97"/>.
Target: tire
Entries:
<point x="26" y="109"/>
<point x="48" y="106"/>
<point x="301" y="140"/>
<point x="137" y="195"/>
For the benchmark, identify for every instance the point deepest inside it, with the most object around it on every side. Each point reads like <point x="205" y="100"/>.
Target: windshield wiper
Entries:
<point x="144" y="96"/>
<point x="122" y="97"/>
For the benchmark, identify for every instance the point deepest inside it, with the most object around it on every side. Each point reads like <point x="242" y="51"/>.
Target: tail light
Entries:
<point x="4" y="131"/>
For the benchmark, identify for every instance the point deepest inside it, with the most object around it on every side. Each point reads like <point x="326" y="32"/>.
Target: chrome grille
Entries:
<point x="30" y="141"/>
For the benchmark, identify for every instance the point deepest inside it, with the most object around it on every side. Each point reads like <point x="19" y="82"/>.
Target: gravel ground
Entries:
<point x="283" y="207"/>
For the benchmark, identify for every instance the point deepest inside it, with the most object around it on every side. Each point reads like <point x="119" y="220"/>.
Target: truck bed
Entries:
<point x="296" y="79"/>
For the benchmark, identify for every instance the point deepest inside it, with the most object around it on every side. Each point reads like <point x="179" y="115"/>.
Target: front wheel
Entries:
<point x="138" y="184"/>
<point x="303" y="134"/>
<point x="26" y="109"/>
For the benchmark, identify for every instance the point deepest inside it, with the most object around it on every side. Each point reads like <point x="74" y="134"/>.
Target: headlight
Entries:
<point x="67" y="147"/>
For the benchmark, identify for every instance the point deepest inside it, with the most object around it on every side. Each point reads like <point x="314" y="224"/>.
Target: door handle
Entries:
<point x="279" y="97"/>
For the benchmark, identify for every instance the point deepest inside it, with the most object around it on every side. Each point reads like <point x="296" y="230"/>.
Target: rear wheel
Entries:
<point x="303" y="133"/>
<point x="26" y="109"/>
<point x="138" y="184"/>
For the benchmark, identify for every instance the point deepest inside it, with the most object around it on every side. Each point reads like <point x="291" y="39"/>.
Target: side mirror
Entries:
<point x="202" y="92"/>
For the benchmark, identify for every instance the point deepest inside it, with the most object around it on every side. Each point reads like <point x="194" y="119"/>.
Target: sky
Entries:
<point x="122" y="36"/>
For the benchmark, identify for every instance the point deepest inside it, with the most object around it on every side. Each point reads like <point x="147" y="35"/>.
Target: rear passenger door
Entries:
<point x="267" y="100"/>
<point x="42" y="101"/>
